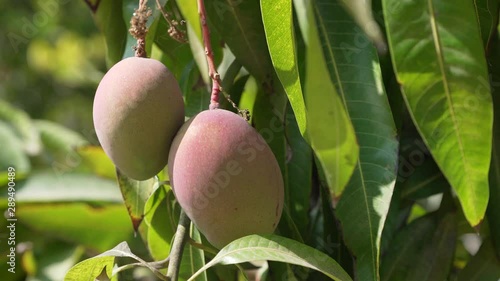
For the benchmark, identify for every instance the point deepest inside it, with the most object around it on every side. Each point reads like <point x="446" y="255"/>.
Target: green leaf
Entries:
<point x="276" y="248"/>
<point x="108" y="16"/>
<point x="330" y="131"/>
<point x="493" y="211"/>
<point x="66" y="187"/>
<point x="439" y="61"/>
<point x="354" y="69"/>
<point x="57" y="138"/>
<point x="87" y="269"/>
<point x="423" y="250"/>
<point x="103" y="227"/>
<point x="487" y="15"/>
<point x="23" y="127"/>
<point x="300" y="169"/>
<point x="418" y="174"/>
<point x="240" y="26"/>
<point x="193" y="258"/>
<point x="161" y="218"/>
<point x="361" y="11"/>
<point x="278" y="25"/>
<point x="135" y="194"/>
<point x="175" y="55"/>
<point x="196" y="96"/>
<point x="484" y="266"/>
<point x="56" y="258"/>
<point x="12" y="153"/>
<point x="90" y="269"/>
<point x="95" y="161"/>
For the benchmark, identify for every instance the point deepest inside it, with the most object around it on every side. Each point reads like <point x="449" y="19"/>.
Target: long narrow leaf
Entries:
<point x="355" y="71"/>
<point x="278" y="25"/>
<point x="330" y="131"/>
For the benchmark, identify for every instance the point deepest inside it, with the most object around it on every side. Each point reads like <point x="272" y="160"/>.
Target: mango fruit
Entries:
<point x="138" y="109"/>
<point x="225" y="177"/>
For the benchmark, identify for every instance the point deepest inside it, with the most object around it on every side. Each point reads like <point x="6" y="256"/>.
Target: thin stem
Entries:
<point x="181" y="236"/>
<point x="173" y="29"/>
<point x="212" y="71"/>
<point x="204" y="248"/>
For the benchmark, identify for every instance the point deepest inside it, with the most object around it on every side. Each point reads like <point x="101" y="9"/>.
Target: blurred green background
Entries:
<point x="52" y="58"/>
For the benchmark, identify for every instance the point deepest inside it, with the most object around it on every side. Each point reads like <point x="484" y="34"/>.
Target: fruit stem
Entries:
<point x="181" y="236"/>
<point x="138" y="28"/>
<point x="212" y="71"/>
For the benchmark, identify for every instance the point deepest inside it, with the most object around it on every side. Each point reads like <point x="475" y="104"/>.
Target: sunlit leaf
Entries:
<point x="361" y="11"/>
<point x="276" y="248"/>
<point x="51" y="186"/>
<point x="91" y="268"/>
<point x="279" y="29"/>
<point x="439" y="61"/>
<point x="330" y="132"/>
<point x="105" y="225"/>
<point x="95" y="160"/>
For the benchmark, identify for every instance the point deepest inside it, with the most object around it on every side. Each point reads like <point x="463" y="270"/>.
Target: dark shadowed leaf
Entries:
<point x="487" y="15"/>
<point x="109" y="18"/>
<point x="484" y="266"/>
<point x="423" y="250"/>
<point x="135" y="194"/>
<point x="439" y="61"/>
<point x="240" y="26"/>
<point x="493" y="211"/>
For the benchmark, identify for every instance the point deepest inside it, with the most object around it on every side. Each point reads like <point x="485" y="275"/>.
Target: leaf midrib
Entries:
<point x="440" y="58"/>
<point x="363" y="186"/>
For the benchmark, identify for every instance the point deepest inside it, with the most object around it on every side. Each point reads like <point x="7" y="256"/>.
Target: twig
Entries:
<point x="204" y="248"/>
<point x="181" y="236"/>
<point x="138" y="28"/>
<point x="173" y="29"/>
<point x="212" y="71"/>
